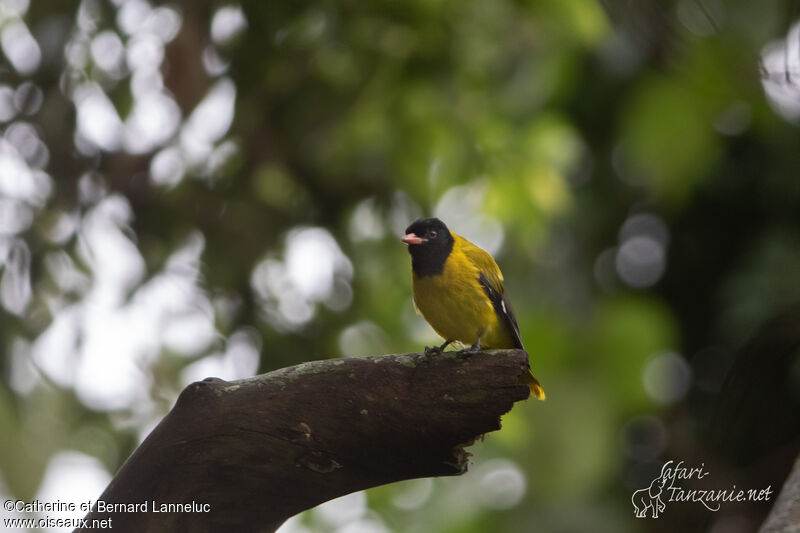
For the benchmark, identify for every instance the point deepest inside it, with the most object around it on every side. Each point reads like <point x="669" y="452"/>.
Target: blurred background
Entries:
<point x="194" y="189"/>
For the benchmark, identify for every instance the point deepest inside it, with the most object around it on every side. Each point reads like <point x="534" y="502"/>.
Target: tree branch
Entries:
<point x="261" y="450"/>
<point x="785" y="514"/>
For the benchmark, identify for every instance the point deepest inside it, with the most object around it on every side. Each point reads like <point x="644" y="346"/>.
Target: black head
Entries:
<point x="429" y="243"/>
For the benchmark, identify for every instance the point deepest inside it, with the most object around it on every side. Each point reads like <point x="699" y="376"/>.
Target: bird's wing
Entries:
<point x="484" y="262"/>
<point x="491" y="279"/>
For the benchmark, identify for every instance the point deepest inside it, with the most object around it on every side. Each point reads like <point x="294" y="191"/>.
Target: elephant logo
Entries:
<point x="650" y="498"/>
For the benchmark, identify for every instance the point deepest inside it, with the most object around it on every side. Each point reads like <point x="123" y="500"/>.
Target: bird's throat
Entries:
<point x="429" y="260"/>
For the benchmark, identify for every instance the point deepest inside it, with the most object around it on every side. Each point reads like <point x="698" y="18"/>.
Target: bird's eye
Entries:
<point x="432" y="234"/>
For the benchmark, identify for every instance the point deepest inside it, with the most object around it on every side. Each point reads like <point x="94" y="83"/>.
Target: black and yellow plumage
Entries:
<point x="458" y="289"/>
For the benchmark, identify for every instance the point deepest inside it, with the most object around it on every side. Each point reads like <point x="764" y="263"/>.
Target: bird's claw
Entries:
<point x="433" y="350"/>
<point x="475" y="348"/>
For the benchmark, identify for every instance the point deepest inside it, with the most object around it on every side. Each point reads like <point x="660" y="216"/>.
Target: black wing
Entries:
<point x="502" y="307"/>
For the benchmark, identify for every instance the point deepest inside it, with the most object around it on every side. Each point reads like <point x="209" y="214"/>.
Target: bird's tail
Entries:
<point x="536" y="388"/>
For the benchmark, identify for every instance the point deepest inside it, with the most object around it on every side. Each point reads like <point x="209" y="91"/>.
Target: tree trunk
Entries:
<point x="785" y="514"/>
<point x="248" y="454"/>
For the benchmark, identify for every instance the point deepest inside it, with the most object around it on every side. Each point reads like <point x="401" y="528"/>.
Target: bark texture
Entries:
<point x="260" y="450"/>
<point x="785" y="514"/>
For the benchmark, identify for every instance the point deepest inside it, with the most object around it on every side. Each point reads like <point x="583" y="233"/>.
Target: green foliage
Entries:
<point x="244" y="241"/>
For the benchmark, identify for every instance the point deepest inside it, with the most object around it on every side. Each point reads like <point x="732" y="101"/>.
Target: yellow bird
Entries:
<point x="458" y="289"/>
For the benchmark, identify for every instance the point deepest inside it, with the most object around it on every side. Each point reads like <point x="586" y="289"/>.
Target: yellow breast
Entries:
<point x="456" y="306"/>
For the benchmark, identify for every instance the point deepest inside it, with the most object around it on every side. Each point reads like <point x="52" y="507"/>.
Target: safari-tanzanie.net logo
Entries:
<point x="652" y="501"/>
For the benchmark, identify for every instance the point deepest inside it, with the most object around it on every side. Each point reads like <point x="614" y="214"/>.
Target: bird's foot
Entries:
<point x="433" y="350"/>
<point x="475" y="348"/>
<point x="436" y="350"/>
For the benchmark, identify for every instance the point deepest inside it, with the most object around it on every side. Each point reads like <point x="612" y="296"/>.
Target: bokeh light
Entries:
<point x="667" y="378"/>
<point x="190" y="191"/>
<point x="781" y="64"/>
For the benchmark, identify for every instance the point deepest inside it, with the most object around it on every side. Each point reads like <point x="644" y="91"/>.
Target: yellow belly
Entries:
<point x="456" y="306"/>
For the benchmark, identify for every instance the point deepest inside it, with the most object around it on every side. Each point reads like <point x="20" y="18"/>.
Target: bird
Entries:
<point x="458" y="289"/>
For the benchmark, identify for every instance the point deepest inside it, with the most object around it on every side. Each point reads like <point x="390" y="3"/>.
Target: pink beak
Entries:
<point x="412" y="239"/>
